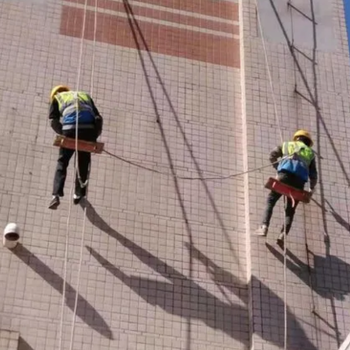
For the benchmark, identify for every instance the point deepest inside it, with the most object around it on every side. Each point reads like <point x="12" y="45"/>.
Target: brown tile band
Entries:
<point x="215" y="8"/>
<point x="203" y="23"/>
<point x="162" y="39"/>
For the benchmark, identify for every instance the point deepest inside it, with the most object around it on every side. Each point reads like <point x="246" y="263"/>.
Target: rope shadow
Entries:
<point x="337" y="217"/>
<point x="139" y="39"/>
<point x="85" y="311"/>
<point x="327" y="271"/>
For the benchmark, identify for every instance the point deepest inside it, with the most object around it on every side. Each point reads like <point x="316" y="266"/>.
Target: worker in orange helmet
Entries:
<point x="296" y="167"/>
<point x="63" y="113"/>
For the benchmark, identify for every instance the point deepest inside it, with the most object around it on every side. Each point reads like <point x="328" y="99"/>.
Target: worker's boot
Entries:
<point x="76" y="198"/>
<point x="55" y="202"/>
<point x="280" y="241"/>
<point x="262" y="231"/>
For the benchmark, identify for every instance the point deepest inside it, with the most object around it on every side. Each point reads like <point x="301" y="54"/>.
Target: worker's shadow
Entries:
<point x="330" y="275"/>
<point x="85" y="310"/>
<point x="183" y="297"/>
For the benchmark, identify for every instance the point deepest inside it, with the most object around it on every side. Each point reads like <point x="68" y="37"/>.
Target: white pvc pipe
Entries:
<point x="10" y="236"/>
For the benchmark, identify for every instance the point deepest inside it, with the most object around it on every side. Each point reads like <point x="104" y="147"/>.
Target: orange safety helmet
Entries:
<point x="303" y="133"/>
<point x="56" y="89"/>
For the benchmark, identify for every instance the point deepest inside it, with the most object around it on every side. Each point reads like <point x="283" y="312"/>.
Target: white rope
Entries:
<point x="80" y="61"/>
<point x="278" y="122"/>
<point x="278" y="119"/>
<point x="71" y="195"/>
<point x="70" y="204"/>
<point x="77" y="164"/>
<point x="285" y="275"/>
<point x="93" y="51"/>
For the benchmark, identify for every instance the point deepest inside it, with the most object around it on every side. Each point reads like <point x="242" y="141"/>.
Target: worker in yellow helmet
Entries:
<point x="62" y="115"/>
<point x="296" y="167"/>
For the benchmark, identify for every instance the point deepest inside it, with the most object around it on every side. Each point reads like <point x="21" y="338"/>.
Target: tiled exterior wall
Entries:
<point x="167" y="262"/>
<point x="163" y="258"/>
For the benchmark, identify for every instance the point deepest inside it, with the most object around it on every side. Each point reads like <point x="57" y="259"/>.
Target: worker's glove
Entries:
<point x="311" y="191"/>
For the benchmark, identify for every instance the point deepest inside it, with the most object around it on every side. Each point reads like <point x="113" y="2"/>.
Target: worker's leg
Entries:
<point x="289" y="214"/>
<point x="61" y="171"/>
<point x="272" y="199"/>
<point x="290" y="211"/>
<point x="84" y="159"/>
<point x="60" y="177"/>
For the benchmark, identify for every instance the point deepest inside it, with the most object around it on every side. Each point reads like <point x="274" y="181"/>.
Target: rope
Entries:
<point x="278" y="119"/>
<point x="224" y="177"/>
<point x="71" y="191"/>
<point x="92" y="81"/>
<point x="82" y="185"/>
<point x="285" y="274"/>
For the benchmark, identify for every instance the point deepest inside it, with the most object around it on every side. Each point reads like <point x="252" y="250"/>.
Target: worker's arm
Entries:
<point x="313" y="174"/>
<point x="98" y="118"/>
<point x="54" y="116"/>
<point x="274" y="155"/>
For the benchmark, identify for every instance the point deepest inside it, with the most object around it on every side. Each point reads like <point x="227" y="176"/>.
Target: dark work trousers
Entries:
<point x="273" y="197"/>
<point x="64" y="157"/>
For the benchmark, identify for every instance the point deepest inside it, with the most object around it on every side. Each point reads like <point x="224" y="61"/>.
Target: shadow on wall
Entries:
<point x="176" y="296"/>
<point x="183" y="297"/>
<point x="330" y="278"/>
<point x="85" y="310"/>
<point x="328" y="271"/>
<point x="23" y="345"/>
<point x="338" y="218"/>
<point x="142" y="46"/>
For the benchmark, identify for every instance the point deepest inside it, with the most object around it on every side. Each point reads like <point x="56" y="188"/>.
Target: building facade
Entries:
<point x="194" y="95"/>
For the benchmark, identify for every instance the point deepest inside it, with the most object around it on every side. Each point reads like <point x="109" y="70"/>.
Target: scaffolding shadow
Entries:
<point x="181" y="296"/>
<point x="142" y="47"/>
<point x="328" y="278"/>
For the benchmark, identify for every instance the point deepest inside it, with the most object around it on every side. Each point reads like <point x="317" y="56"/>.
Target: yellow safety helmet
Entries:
<point x="303" y="133"/>
<point x="56" y="89"/>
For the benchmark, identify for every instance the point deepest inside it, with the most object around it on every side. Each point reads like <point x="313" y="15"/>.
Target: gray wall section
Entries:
<point x="303" y="37"/>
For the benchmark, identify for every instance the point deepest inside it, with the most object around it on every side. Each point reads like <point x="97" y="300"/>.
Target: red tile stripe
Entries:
<point x="160" y="38"/>
<point x="164" y="15"/>
<point x="214" y="8"/>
